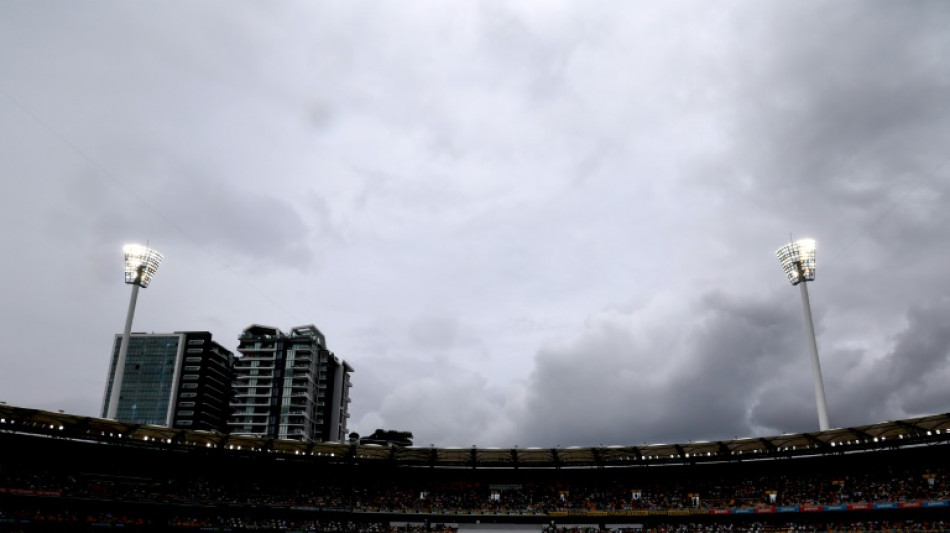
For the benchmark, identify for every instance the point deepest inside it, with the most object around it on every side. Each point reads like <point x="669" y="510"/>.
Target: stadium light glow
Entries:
<point x="141" y="264"/>
<point x="798" y="262"/>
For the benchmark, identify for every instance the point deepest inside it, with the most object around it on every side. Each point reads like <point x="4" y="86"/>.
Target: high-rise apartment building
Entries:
<point x="180" y="380"/>
<point x="289" y="386"/>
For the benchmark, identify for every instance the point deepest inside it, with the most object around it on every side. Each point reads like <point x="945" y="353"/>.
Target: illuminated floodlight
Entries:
<point x="798" y="260"/>
<point x="141" y="264"/>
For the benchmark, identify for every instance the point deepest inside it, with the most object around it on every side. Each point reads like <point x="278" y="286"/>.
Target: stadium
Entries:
<point x="547" y="223"/>
<point x="62" y="472"/>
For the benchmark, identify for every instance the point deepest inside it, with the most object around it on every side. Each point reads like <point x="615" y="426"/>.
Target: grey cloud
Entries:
<point x="521" y="169"/>
<point x="736" y="367"/>
<point x="834" y="112"/>
<point x="788" y="405"/>
<point x="262" y="227"/>
<point x="454" y="409"/>
<point x="437" y="332"/>
<point x="908" y="379"/>
<point x="176" y="204"/>
<point x="923" y="348"/>
<point x="657" y="377"/>
<point x="835" y="129"/>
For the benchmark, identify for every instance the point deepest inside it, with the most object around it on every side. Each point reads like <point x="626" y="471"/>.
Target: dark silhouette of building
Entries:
<point x="180" y="380"/>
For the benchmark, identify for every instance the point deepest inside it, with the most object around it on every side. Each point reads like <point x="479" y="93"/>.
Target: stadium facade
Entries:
<point x="92" y="473"/>
<point x="289" y="386"/>
<point x="179" y="380"/>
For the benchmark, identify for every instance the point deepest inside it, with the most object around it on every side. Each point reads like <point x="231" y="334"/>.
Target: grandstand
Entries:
<point x="61" y="472"/>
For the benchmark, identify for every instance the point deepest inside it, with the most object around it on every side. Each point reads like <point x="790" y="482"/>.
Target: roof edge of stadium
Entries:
<point x="924" y="430"/>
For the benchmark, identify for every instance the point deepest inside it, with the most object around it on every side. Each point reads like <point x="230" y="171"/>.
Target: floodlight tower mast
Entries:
<point x="798" y="261"/>
<point x="141" y="264"/>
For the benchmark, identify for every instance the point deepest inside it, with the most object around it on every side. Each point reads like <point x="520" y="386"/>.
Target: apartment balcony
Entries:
<point x="261" y="381"/>
<point x="241" y="378"/>
<point x="216" y="389"/>
<point x="252" y="342"/>
<point x="255" y="357"/>
<point x="249" y="385"/>
<point x="239" y="396"/>
<point x="252" y="402"/>
<point x="240" y="369"/>
<point x="216" y="377"/>
<point x="248" y="425"/>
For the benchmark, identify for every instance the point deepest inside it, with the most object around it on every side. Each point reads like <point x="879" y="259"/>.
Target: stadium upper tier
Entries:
<point x="880" y="436"/>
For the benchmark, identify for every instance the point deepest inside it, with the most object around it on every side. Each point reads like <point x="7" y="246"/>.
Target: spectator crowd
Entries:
<point x="408" y="495"/>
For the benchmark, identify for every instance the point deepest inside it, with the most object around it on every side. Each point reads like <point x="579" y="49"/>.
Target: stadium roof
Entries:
<point x="884" y="435"/>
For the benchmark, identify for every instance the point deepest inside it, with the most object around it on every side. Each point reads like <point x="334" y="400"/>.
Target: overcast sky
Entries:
<point x="522" y="222"/>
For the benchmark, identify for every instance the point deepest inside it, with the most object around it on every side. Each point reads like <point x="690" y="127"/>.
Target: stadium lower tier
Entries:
<point x="61" y="484"/>
<point x="66" y="515"/>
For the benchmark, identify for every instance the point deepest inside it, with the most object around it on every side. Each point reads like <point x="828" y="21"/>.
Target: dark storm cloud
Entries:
<point x="841" y="128"/>
<point x="840" y="106"/>
<point x="655" y="376"/>
<point x="450" y="192"/>
<point x="837" y="122"/>
<point x="909" y="379"/>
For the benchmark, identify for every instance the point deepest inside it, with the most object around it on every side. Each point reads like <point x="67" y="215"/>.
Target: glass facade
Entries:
<point x="180" y="379"/>
<point x="148" y="380"/>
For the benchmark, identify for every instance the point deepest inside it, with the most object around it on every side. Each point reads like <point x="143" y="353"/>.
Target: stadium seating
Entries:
<point x="87" y="478"/>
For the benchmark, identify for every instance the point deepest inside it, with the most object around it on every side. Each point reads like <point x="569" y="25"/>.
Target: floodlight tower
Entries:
<point x="141" y="264"/>
<point x="798" y="261"/>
